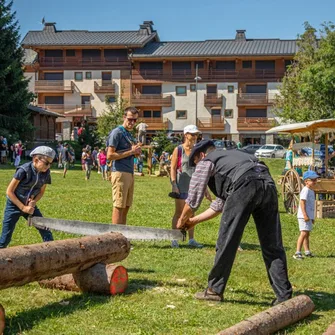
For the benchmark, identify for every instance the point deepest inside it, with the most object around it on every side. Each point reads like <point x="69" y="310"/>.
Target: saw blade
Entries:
<point x="93" y="228"/>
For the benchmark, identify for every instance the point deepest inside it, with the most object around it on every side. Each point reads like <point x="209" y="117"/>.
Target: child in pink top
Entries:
<point x="103" y="163"/>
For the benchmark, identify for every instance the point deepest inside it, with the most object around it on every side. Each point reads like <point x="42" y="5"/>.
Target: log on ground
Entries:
<point x="2" y="319"/>
<point x="330" y="330"/>
<point x="64" y="282"/>
<point x="100" y="278"/>
<point x="24" y="264"/>
<point x="275" y="318"/>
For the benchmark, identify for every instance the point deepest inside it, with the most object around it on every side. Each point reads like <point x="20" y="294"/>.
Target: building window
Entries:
<point x="200" y="64"/>
<point x="70" y="53"/>
<point x="152" y="114"/>
<point x="193" y="87"/>
<point x="181" y="90"/>
<point x="247" y="64"/>
<point x="106" y="76"/>
<point x="231" y="89"/>
<point x="88" y="75"/>
<point x="212" y="89"/>
<point x="78" y="76"/>
<point x="111" y="99"/>
<point x="181" y="114"/>
<point x="228" y="113"/>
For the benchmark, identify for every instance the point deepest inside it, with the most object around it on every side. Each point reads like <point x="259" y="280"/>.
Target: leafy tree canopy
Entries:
<point x="308" y="89"/>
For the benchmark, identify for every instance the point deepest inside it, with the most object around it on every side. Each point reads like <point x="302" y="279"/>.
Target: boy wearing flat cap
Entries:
<point x="25" y="190"/>
<point x="243" y="187"/>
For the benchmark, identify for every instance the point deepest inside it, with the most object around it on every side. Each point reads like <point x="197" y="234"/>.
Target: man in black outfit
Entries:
<point x="243" y="187"/>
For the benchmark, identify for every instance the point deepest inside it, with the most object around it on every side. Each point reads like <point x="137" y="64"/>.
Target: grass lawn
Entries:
<point x="162" y="281"/>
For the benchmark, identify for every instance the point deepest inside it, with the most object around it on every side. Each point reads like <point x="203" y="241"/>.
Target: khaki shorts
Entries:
<point x="123" y="189"/>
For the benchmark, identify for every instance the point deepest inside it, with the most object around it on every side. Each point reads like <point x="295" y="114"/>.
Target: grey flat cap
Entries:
<point x="43" y="150"/>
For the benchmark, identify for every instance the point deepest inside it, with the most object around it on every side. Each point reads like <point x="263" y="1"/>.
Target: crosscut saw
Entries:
<point x="93" y="228"/>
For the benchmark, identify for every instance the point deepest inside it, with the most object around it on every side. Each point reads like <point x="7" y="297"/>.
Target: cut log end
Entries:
<point x="101" y="278"/>
<point x="2" y="319"/>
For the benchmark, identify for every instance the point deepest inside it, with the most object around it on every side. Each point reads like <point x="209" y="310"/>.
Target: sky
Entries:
<point x="179" y="20"/>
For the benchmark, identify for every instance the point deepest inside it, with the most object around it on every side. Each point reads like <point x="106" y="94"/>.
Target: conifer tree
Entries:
<point x="14" y="94"/>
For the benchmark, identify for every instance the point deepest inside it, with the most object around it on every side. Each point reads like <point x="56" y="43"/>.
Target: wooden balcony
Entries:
<point x="212" y="75"/>
<point x="84" y="63"/>
<point x="151" y="100"/>
<point x="213" y="100"/>
<point x="154" y="123"/>
<point x="210" y="123"/>
<point x="247" y="99"/>
<point x="255" y="123"/>
<point x="53" y="86"/>
<point x="106" y="86"/>
<point x="69" y="110"/>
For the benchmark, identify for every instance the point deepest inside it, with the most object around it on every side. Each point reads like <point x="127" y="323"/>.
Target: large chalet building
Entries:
<point x="226" y="87"/>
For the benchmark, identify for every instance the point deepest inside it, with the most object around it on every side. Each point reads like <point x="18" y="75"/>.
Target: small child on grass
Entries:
<point x="25" y="190"/>
<point x="306" y="214"/>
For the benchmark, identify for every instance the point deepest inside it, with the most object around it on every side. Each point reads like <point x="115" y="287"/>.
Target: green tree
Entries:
<point x="112" y="117"/>
<point x="308" y="89"/>
<point x="14" y="94"/>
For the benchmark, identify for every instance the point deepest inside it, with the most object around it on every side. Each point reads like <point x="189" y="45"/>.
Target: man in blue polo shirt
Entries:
<point x="122" y="148"/>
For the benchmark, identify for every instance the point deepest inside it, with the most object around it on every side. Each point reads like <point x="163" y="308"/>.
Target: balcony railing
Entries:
<point x="244" y="99"/>
<point x="69" y="110"/>
<point x="151" y="100"/>
<point x="213" y="100"/>
<point x="155" y="123"/>
<point x="210" y="123"/>
<point x="87" y="62"/>
<point x="106" y="86"/>
<point x="255" y="123"/>
<point x="206" y="75"/>
<point x="53" y="86"/>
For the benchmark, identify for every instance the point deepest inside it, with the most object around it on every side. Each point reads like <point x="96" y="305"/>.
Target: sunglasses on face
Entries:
<point x="46" y="163"/>
<point x="131" y="120"/>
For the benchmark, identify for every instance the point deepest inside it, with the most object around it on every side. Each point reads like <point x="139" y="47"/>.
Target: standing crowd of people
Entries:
<point x="242" y="185"/>
<point x="10" y="153"/>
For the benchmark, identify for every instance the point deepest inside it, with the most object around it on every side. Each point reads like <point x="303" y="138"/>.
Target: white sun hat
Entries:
<point x="191" y="129"/>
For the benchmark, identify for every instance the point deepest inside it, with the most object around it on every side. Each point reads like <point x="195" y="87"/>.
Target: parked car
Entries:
<point x="225" y="144"/>
<point x="271" y="151"/>
<point x="251" y="148"/>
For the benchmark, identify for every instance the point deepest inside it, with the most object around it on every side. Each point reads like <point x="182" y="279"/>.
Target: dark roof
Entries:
<point x="29" y="57"/>
<point x="53" y="37"/>
<point x="43" y="111"/>
<point x="218" y="48"/>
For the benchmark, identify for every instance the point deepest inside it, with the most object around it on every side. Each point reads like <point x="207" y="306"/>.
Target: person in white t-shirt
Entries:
<point x="306" y="214"/>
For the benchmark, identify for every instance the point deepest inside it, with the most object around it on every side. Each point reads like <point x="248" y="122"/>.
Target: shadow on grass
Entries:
<point x="26" y="320"/>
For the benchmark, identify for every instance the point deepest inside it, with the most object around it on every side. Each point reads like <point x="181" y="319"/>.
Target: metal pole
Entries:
<point x="196" y="94"/>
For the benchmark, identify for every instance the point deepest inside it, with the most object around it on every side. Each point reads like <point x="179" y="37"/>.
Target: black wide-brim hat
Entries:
<point x="201" y="146"/>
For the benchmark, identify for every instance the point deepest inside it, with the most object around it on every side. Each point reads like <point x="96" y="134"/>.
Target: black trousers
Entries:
<point x="254" y="194"/>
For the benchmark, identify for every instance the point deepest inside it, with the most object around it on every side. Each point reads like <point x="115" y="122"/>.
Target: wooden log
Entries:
<point x="330" y="330"/>
<point x="275" y="318"/>
<point x="105" y="279"/>
<point x="64" y="282"/>
<point x="100" y="278"/>
<point x="23" y="264"/>
<point x="2" y="319"/>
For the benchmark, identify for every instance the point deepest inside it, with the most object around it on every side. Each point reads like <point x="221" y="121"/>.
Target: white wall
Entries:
<point x="188" y="103"/>
<point x="86" y="86"/>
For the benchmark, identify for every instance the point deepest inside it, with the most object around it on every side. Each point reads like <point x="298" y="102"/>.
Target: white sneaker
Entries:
<point x="174" y="244"/>
<point x="193" y="243"/>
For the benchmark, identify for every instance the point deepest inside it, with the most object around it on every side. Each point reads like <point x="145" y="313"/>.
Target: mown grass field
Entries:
<point x="162" y="281"/>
